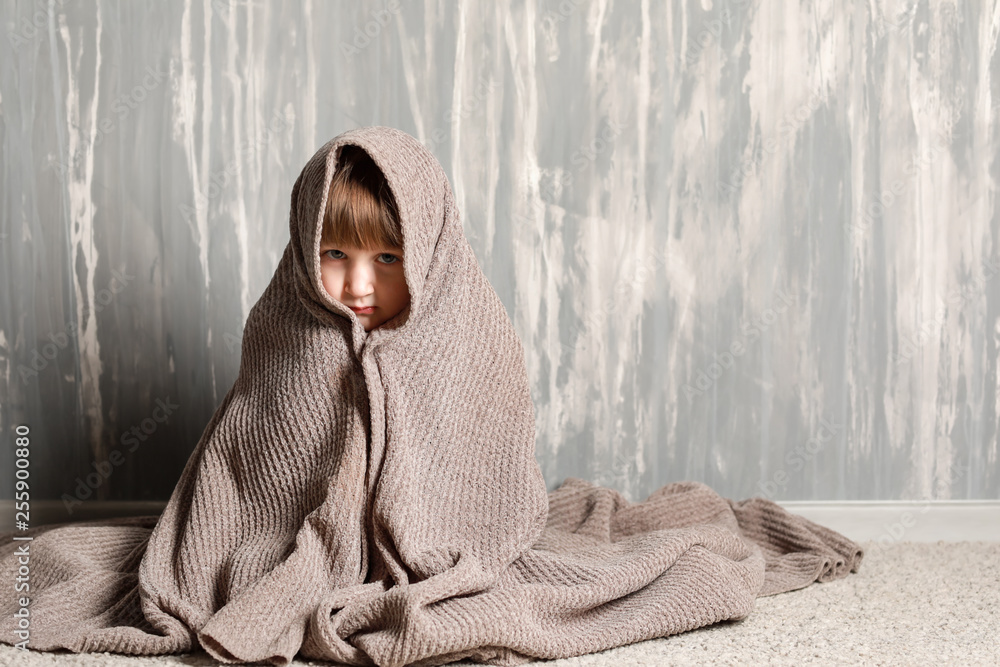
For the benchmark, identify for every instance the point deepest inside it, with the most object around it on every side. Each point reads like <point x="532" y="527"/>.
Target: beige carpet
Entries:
<point x="911" y="604"/>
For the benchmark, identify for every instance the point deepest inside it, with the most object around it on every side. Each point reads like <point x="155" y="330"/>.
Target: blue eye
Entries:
<point x="386" y="257"/>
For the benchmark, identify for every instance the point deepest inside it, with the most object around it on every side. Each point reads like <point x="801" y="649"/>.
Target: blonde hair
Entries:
<point x="360" y="209"/>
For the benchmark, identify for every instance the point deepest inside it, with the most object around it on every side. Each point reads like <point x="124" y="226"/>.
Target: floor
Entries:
<point x="910" y="604"/>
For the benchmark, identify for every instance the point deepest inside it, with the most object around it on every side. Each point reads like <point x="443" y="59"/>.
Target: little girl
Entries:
<point x="361" y="250"/>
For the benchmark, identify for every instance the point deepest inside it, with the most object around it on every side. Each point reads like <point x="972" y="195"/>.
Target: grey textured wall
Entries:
<point x="750" y="243"/>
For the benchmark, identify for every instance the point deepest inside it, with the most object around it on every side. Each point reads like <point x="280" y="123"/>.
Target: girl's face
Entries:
<point x="360" y="278"/>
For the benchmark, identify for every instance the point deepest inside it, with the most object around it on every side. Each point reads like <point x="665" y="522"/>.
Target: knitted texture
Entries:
<point x="374" y="498"/>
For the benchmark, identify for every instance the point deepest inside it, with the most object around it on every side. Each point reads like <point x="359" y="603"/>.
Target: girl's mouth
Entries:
<point x="364" y="311"/>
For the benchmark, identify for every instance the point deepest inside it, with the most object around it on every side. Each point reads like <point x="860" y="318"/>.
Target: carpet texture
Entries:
<point x="374" y="498"/>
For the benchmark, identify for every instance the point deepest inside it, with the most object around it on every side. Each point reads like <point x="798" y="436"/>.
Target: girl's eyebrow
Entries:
<point x="388" y="250"/>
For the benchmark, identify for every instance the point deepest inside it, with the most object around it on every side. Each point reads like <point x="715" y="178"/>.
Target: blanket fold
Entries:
<point x="373" y="498"/>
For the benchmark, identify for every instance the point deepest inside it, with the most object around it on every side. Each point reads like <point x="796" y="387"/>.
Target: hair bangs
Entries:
<point x="360" y="209"/>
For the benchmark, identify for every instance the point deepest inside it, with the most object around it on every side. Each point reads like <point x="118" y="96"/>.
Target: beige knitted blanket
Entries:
<point x="375" y="499"/>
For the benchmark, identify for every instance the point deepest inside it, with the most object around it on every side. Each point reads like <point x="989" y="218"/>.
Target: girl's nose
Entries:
<point x="359" y="280"/>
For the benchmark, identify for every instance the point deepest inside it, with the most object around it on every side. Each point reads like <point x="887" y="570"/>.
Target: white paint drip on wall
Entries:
<point x="987" y="127"/>
<point x="5" y="366"/>
<point x="79" y="189"/>
<point x="458" y="93"/>
<point x="309" y="121"/>
<point x="186" y="118"/>
<point x="240" y="112"/>
<point x="409" y="76"/>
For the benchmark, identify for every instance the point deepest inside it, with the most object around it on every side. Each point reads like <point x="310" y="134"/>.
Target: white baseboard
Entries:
<point x="906" y="521"/>
<point x="861" y="521"/>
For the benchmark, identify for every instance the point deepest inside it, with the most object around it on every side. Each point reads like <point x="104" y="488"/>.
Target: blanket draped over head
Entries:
<point x="374" y="498"/>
